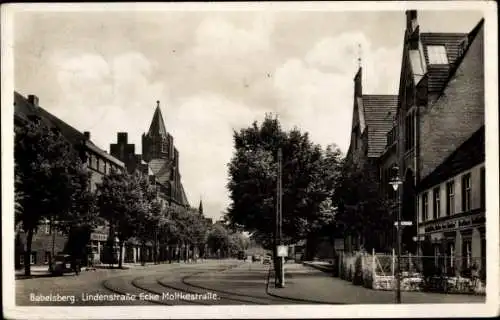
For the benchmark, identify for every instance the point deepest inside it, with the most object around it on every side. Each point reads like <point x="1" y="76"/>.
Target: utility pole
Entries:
<point x="280" y="274"/>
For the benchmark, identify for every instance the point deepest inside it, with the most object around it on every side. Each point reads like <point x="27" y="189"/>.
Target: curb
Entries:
<point x="268" y="292"/>
<point x="324" y="268"/>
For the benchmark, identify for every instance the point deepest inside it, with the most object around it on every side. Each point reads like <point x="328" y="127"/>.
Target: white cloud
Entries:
<point x="105" y="96"/>
<point x="202" y="127"/>
<point x="218" y="38"/>
<point x="316" y="92"/>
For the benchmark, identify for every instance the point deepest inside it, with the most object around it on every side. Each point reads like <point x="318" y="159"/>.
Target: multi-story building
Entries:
<point x="159" y="162"/>
<point x="47" y="240"/>
<point x="372" y="118"/>
<point x="451" y="207"/>
<point x="451" y="188"/>
<point x="159" y="159"/>
<point x="440" y="106"/>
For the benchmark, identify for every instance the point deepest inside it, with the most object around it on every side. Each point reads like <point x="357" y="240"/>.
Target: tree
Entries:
<point x="218" y="239"/>
<point x="308" y="174"/>
<point x="363" y="211"/>
<point x="48" y="174"/>
<point x="122" y="203"/>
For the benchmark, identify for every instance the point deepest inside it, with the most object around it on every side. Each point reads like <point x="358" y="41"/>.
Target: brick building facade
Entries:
<point x="433" y="135"/>
<point x="440" y="105"/>
<point x="47" y="241"/>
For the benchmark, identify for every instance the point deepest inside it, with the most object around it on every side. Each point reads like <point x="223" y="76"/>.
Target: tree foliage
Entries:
<point x="309" y="175"/>
<point x="362" y="208"/>
<point x="49" y="177"/>
<point x="123" y="203"/>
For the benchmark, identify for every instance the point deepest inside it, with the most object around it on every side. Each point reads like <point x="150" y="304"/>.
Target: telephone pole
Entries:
<point x="279" y="277"/>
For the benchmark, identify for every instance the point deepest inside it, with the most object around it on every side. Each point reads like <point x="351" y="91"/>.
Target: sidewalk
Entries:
<point x="304" y="283"/>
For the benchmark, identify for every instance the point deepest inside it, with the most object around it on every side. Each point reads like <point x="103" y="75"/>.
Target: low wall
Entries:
<point x="360" y="269"/>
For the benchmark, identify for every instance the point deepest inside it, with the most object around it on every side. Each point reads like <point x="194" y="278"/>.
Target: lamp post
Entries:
<point x="395" y="183"/>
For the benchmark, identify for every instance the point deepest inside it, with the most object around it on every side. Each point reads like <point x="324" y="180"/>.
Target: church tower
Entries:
<point x="157" y="143"/>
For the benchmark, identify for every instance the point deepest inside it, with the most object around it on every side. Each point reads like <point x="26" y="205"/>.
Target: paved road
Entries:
<point x="206" y="283"/>
<point x="309" y="284"/>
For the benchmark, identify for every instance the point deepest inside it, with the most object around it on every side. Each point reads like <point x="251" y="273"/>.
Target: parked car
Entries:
<point x="64" y="263"/>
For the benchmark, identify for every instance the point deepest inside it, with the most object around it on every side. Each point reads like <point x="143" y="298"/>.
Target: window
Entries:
<point x="102" y="166"/>
<point x="450" y="252"/>
<point x="47" y="257"/>
<point x="33" y="258"/>
<point x="391" y="137"/>
<point x="450" y="198"/>
<point x="437" y="253"/>
<point x="410" y="131"/>
<point x="467" y="253"/>
<point x="437" y="204"/>
<point x="483" y="254"/>
<point x="425" y="207"/>
<point x="483" y="189"/>
<point x="466" y="193"/>
<point x="437" y="55"/>
<point x="46" y="226"/>
<point x="93" y="162"/>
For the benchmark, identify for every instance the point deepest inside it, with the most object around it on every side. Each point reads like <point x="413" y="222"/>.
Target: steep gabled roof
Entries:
<point x="471" y="37"/>
<point x="157" y="127"/>
<point x="466" y="156"/>
<point x="23" y="108"/>
<point x="379" y="112"/>
<point x="184" y="199"/>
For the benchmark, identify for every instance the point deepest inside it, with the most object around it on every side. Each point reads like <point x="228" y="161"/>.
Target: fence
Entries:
<point x="418" y="273"/>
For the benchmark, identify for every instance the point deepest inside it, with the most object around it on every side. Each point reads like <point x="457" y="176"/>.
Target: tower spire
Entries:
<point x="157" y="127"/>
<point x="359" y="55"/>
<point x="200" y="208"/>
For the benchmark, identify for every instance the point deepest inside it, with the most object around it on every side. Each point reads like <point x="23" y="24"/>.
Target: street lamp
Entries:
<point x="395" y="182"/>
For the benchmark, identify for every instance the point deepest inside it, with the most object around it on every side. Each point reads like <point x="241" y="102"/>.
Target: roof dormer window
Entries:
<point x="437" y="55"/>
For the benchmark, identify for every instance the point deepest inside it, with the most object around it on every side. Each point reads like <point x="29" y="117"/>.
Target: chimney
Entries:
<point x="122" y="137"/>
<point x="412" y="29"/>
<point x="411" y="20"/>
<point x="87" y="135"/>
<point x="33" y="100"/>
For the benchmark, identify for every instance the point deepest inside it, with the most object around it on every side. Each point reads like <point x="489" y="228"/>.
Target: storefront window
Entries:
<point x="47" y="257"/>
<point x="467" y="253"/>
<point x="483" y="257"/>
<point x="483" y="189"/>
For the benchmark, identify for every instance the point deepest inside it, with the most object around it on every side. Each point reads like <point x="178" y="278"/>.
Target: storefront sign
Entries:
<point x="457" y="223"/>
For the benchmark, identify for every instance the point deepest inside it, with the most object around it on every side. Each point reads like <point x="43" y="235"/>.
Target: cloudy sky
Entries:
<point x="213" y="71"/>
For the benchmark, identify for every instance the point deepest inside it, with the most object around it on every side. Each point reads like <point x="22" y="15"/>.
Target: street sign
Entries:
<point x="282" y="251"/>
<point x="404" y="223"/>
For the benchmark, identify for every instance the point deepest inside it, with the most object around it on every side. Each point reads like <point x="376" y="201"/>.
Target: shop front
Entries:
<point x="459" y="243"/>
